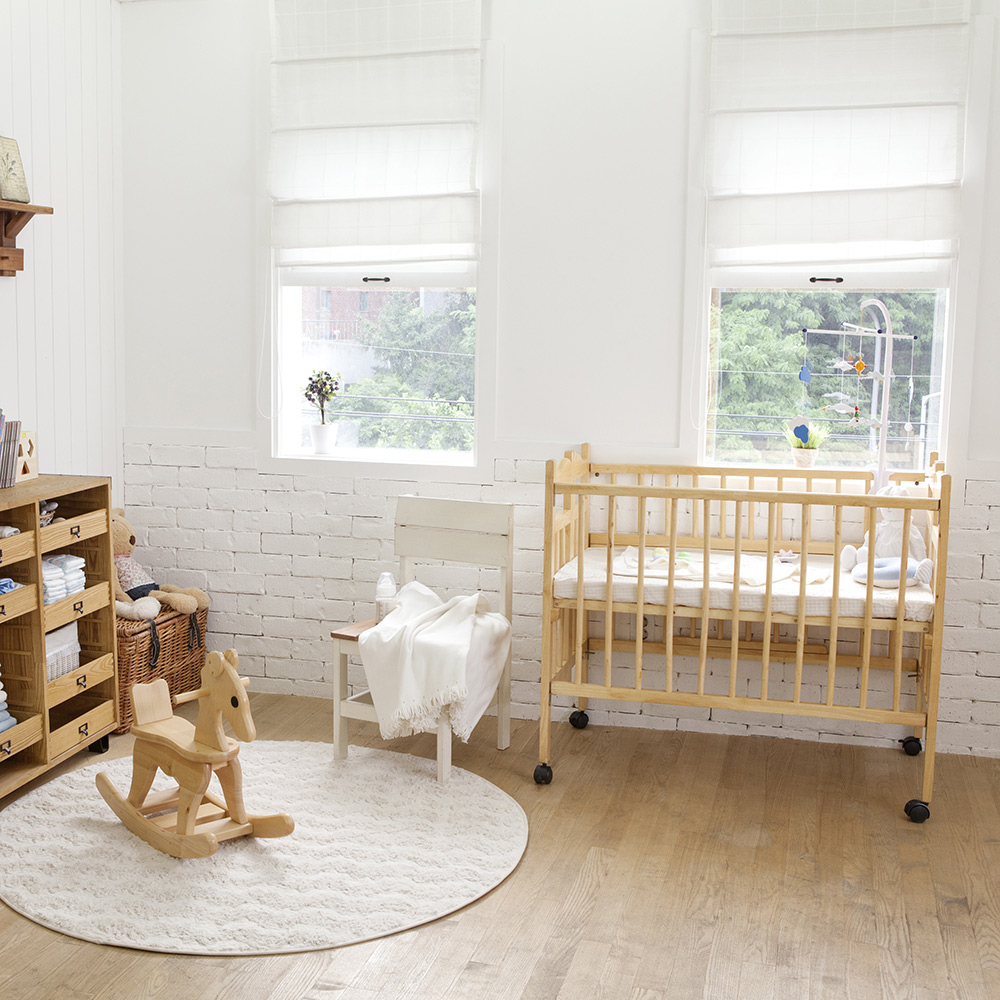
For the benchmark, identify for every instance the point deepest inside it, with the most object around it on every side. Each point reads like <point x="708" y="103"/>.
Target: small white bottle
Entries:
<point x="385" y="595"/>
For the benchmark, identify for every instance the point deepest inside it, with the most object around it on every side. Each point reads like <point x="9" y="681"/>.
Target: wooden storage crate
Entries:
<point x="178" y="661"/>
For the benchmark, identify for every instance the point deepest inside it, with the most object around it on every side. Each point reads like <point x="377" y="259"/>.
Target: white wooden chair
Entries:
<point x="451" y="531"/>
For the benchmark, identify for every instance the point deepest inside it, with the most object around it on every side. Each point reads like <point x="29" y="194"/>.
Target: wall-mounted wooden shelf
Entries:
<point x="14" y="216"/>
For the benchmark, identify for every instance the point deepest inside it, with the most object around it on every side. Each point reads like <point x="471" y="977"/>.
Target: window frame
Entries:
<point x="881" y="277"/>
<point x="417" y="274"/>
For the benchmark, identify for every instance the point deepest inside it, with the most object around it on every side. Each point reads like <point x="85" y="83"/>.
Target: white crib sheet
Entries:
<point x="784" y="593"/>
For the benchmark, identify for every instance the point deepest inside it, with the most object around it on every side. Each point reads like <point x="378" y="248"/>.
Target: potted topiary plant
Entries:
<point x="319" y="391"/>
<point x="805" y="442"/>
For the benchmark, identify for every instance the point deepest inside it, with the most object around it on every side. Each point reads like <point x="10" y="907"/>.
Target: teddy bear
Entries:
<point x="889" y="549"/>
<point x="135" y="588"/>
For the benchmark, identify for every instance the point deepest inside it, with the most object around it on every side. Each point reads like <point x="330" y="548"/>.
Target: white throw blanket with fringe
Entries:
<point x="427" y="654"/>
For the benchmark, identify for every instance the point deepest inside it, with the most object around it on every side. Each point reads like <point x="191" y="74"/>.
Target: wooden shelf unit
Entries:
<point x="61" y="717"/>
<point x="14" y="216"/>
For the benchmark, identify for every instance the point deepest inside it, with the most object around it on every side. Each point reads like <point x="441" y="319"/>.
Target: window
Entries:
<point x="405" y="357"/>
<point x="780" y="357"/>
<point x="834" y="164"/>
<point x="375" y="224"/>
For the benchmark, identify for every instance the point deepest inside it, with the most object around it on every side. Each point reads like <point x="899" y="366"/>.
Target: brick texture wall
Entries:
<point x="284" y="557"/>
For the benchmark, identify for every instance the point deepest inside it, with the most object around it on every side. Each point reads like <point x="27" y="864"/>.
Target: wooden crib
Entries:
<point x="797" y="638"/>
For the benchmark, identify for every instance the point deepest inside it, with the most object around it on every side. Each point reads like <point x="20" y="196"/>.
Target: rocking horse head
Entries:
<point x="223" y="694"/>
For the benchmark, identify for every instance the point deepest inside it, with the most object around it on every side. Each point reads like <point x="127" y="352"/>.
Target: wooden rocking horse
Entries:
<point x="188" y="821"/>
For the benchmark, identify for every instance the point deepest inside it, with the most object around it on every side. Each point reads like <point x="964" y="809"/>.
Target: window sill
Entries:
<point x="388" y="457"/>
<point x="383" y="463"/>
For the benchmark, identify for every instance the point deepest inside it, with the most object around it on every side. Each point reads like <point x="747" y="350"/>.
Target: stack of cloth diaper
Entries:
<point x="7" y="721"/>
<point x="62" y="576"/>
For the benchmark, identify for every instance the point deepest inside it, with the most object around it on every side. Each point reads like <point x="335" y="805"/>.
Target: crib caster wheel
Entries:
<point x="911" y="746"/>
<point x="579" y="720"/>
<point x="543" y="775"/>
<point x="917" y="810"/>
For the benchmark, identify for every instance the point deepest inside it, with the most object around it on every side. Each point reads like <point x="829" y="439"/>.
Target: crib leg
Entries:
<point x="503" y="709"/>
<point x="543" y="772"/>
<point x="444" y="746"/>
<point x="339" y="697"/>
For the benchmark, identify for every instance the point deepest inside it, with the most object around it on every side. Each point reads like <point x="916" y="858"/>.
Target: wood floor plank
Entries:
<point x="659" y="864"/>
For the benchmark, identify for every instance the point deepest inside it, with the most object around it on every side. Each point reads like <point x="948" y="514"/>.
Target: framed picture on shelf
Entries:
<point x="13" y="184"/>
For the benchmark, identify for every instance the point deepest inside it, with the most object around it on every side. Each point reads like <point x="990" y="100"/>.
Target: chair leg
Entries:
<point x="444" y="746"/>
<point x="339" y="697"/>
<point x="503" y="709"/>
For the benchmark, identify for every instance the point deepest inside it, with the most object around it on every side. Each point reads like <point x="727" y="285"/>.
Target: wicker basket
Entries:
<point x="179" y="659"/>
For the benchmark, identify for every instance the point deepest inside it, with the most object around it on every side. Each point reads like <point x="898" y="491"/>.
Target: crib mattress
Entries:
<point x="919" y="602"/>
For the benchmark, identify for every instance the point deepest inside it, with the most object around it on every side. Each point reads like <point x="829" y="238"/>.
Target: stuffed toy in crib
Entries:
<point x="889" y="549"/>
<point x="137" y="595"/>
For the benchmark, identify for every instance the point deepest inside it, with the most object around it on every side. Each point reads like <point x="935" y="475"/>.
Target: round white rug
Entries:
<point x="379" y="846"/>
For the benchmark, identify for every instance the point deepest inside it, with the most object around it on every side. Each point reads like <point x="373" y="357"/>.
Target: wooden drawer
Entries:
<point x="17" y="602"/>
<point x="26" y="733"/>
<point x="70" y="730"/>
<point x="82" y="679"/>
<point x="16" y="548"/>
<point x="73" y="529"/>
<point x="77" y="605"/>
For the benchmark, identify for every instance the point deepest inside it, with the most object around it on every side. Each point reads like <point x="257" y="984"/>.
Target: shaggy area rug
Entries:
<point x="379" y="846"/>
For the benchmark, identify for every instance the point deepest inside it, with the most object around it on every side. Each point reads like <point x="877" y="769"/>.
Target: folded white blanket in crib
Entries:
<point x="691" y="566"/>
<point x="427" y="654"/>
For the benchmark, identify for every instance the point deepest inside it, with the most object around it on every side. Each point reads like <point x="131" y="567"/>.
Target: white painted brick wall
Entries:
<point x="286" y="557"/>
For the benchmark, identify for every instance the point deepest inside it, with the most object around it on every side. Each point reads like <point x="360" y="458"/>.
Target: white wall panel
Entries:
<point x="58" y="334"/>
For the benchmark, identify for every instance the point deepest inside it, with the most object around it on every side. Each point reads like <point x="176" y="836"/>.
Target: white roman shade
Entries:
<point x="835" y="133"/>
<point x="375" y="130"/>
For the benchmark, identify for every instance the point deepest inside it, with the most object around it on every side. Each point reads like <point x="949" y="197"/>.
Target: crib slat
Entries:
<point x="722" y="508"/>
<point x="765" y="661"/>
<point x="781" y="510"/>
<point x="866" y="632"/>
<point x="668" y="624"/>
<point x="706" y="513"/>
<point x="609" y="613"/>
<point x="897" y="635"/>
<point x="838" y="519"/>
<point x="640" y="596"/>
<point x="800" y="636"/>
<point x="735" y="626"/>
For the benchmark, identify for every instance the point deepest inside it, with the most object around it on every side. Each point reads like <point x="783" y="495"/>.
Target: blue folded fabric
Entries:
<point x="3" y="705"/>
<point x="8" y="723"/>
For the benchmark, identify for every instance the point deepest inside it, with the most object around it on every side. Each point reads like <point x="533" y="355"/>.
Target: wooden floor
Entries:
<point x="659" y="865"/>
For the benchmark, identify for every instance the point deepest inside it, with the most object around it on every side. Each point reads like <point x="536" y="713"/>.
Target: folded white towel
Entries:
<point x="68" y="561"/>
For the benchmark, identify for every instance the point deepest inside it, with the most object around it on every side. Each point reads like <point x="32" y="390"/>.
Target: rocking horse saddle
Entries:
<point x="155" y="721"/>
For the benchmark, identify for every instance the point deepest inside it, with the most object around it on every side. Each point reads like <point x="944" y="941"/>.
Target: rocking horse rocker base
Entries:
<point x="188" y="821"/>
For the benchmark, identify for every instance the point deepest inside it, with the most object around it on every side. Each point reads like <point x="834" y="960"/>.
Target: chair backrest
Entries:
<point x="465" y="531"/>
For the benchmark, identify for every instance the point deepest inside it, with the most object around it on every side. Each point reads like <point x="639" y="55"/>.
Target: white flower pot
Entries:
<point x="804" y="458"/>
<point x="324" y="438"/>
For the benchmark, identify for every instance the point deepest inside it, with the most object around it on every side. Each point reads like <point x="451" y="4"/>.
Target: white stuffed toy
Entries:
<point x="889" y="549"/>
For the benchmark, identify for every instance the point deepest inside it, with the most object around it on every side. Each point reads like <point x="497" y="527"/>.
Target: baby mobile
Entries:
<point x="843" y="403"/>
